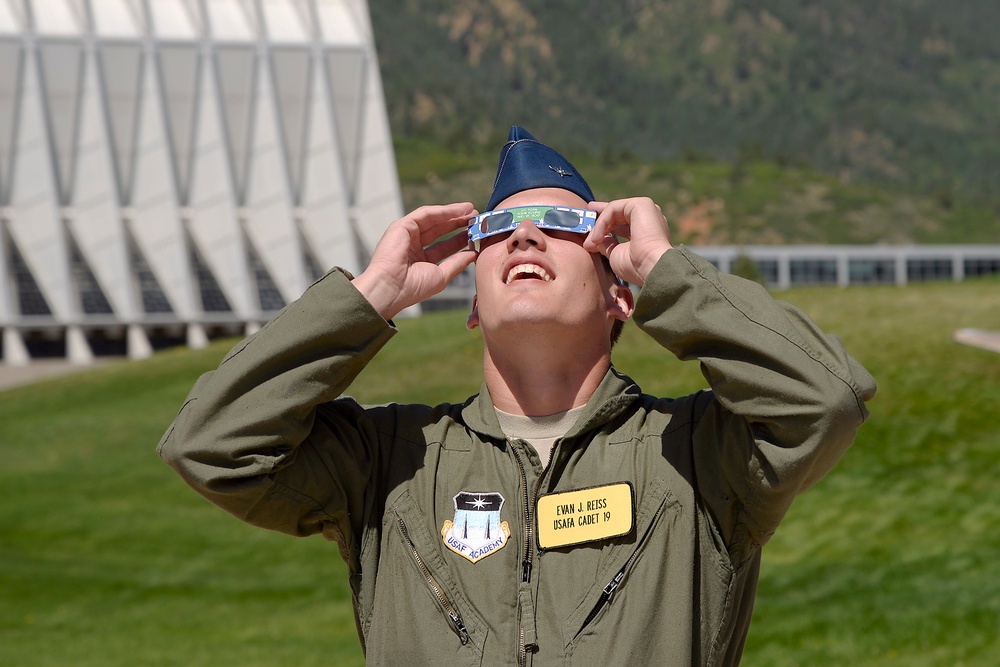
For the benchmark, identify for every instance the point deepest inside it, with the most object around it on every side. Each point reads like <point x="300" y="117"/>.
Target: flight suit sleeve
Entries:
<point x="265" y="437"/>
<point x="786" y="399"/>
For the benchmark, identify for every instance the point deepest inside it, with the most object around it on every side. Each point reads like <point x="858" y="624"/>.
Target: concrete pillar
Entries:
<point x="197" y="339"/>
<point x="784" y="271"/>
<point x="137" y="343"/>
<point x="15" y="352"/>
<point x="843" y="270"/>
<point x="900" y="260"/>
<point x="77" y="348"/>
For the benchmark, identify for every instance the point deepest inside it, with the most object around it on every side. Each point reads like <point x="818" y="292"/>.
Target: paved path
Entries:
<point x="39" y="369"/>
<point x="987" y="340"/>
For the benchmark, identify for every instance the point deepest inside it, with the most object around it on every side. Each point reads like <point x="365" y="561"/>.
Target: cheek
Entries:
<point x="490" y="252"/>
<point x="492" y="241"/>
<point x="486" y="263"/>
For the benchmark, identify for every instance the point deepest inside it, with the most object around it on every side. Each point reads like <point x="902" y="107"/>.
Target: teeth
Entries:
<point x="522" y="269"/>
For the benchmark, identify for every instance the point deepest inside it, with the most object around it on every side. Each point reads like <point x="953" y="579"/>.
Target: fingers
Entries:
<point x="447" y="247"/>
<point x="626" y="209"/>
<point x="632" y="233"/>
<point x="454" y="264"/>
<point x="611" y="219"/>
<point x="623" y="216"/>
<point x="433" y="222"/>
<point x="607" y="244"/>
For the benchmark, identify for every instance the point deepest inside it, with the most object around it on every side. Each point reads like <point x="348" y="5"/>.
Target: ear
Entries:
<point x="473" y="321"/>
<point x="622" y="303"/>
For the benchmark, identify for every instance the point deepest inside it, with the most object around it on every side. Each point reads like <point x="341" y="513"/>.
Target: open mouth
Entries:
<point x="527" y="272"/>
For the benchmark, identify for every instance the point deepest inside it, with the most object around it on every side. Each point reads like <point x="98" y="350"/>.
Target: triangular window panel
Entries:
<point x="306" y="16"/>
<point x="173" y="19"/>
<point x="30" y="299"/>
<point x="12" y="18"/>
<point x="180" y="78"/>
<point x="237" y="68"/>
<point x="285" y="21"/>
<point x="213" y="299"/>
<point x="346" y="71"/>
<point x="136" y="15"/>
<point x="11" y="58"/>
<point x="117" y="18"/>
<point x="230" y="19"/>
<point x="62" y="83"/>
<point x="195" y="13"/>
<point x="79" y="13"/>
<point x="268" y="295"/>
<point x="154" y="300"/>
<point x="292" y="75"/>
<point x="58" y="17"/>
<point x="121" y="79"/>
<point x="92" y="298"/>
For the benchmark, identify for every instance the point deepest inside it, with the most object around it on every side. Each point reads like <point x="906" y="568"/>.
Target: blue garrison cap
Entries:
<point x="526" y="163"/>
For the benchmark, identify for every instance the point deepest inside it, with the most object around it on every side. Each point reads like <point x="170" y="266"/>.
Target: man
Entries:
<point x="561" y="516"/>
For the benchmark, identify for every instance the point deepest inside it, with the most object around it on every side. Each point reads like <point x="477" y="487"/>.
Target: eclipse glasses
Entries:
<point x="560" y="218"/>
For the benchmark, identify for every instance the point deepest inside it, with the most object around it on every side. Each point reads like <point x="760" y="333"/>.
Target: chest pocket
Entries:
<point x="423" y="618"/>
<point x="614" y="574"/>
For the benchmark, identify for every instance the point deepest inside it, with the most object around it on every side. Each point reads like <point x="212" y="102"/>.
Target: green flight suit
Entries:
<point x="269" y="438"/>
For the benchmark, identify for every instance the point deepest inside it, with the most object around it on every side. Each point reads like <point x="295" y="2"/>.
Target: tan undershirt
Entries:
<point x="539" y="432"/>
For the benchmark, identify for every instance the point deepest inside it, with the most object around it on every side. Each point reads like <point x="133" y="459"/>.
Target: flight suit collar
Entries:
<point x="614" y="395"/>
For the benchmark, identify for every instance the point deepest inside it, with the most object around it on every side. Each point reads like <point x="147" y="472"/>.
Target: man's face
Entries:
<point x="531" y="277"/>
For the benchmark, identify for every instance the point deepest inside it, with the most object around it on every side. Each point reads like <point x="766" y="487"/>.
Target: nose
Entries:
<point x="525" y="235"/>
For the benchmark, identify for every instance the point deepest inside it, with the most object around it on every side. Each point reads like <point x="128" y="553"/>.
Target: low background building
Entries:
<point x="782" y="267"/>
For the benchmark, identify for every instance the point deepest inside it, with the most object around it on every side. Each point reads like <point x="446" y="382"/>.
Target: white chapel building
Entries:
<point x="171" y="170"/>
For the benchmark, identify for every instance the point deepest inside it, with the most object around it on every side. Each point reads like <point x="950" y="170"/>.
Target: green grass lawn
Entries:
<point x="107" y="559"/>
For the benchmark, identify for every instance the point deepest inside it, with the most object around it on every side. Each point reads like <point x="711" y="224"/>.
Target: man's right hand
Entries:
<point x="408" y="267"/>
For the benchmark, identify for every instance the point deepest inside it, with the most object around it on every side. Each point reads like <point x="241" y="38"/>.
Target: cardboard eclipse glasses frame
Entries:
<point x="500" y="221"/>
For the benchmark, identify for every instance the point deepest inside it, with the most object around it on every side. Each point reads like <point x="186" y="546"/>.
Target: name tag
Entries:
<point x="585" y="515"/>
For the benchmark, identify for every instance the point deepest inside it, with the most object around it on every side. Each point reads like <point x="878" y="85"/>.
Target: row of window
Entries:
<point x="30" y="300"/>
<point x="876" y="271"/>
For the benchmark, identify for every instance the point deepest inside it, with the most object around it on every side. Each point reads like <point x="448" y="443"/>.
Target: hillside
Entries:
<point x="901" y="92"/>
<point x="749" y="201"/>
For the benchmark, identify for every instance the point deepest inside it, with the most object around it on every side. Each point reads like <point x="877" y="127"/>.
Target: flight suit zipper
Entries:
<point x="528" y="528"/>
<point x="526" y="562"/>
<point x="612" y="586"/>
<point x="608" y="591"/>
<point x="457" y="624"/>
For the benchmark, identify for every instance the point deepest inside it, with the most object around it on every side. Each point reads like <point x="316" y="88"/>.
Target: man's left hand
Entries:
<point x="640" y="222"/>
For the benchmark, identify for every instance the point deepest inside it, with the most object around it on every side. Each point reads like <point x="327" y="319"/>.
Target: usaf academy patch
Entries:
<point x="477" y="530"/>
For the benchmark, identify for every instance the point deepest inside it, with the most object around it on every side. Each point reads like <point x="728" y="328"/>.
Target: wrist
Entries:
<point x="379" y="293"/>
<point x="653" y="258"/>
